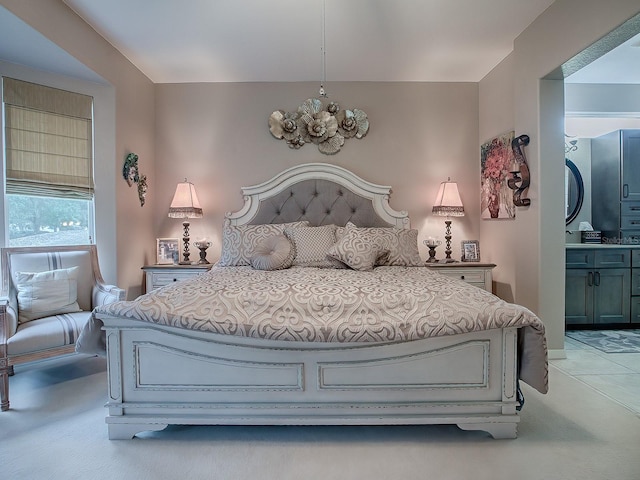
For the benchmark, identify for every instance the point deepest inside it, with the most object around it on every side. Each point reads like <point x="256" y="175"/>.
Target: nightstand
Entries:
<point x="160" y="275"/>
<point x="478" y="274"/>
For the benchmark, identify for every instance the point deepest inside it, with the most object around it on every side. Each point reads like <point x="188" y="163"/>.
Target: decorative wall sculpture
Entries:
<point x="132" y="175"/>
<point x="311" y="124"/>
<point x="521" y="179"/>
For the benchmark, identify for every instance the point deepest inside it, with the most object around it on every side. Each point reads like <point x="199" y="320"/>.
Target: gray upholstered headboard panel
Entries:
<point x="320" y="202"/>
<point x="321" y="194"/>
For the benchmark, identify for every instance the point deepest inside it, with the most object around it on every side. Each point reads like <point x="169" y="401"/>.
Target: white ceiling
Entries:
<point x="281" y="40"/>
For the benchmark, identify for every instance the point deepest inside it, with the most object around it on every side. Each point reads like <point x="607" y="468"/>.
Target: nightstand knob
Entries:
<point x="175" y="279"/>
<point x="461" y="277"/>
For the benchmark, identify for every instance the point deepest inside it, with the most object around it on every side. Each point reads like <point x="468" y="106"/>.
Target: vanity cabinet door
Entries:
<point x="612" y="302"/>
<point x="578" y="308"/>
<point x="598" y="286"/>
<point x="630" y="165"/>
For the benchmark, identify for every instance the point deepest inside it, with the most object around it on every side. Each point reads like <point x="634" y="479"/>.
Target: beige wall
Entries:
<point x="130" y="127"/>
<point x="217" y="136"/>
<point x="496" y="117"/>
<point x="537" y="234"/>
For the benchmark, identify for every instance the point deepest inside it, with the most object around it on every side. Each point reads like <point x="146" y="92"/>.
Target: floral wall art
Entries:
<point x="496" y="159"/>
<point x="310" y="123"/>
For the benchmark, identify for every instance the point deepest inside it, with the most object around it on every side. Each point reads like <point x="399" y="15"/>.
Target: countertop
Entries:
<point x="601" y="245"/>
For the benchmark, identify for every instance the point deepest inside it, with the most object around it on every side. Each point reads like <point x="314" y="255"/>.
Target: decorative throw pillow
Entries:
<point x="311" y="245"/>
<point x="401" y="244"/>
<point x="357" y="249"/>
<point x="44" y="294"/>
<point x="273" y="253"/>
<point x="238" y="242"/>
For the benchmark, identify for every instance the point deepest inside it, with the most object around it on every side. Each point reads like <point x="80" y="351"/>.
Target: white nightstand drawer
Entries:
<point x="477" y="274"/>
<point x="157" y="276"/>
<point x="161" y="279"/>
<point x="469" y="276"/>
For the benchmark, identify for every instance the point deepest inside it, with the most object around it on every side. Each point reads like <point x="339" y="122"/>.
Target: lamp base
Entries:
<point x="447" y="237"/>
<point x="185" y="242"/>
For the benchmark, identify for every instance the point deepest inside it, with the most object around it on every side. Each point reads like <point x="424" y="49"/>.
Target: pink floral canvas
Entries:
<point x="496" y="158"/>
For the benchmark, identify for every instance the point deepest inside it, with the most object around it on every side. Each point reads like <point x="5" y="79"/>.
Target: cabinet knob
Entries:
<point x="175" y="279"/>
<point x="461" y="277"/>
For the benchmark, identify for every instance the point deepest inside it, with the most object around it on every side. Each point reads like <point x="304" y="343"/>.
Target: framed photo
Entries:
<point x="167" y="250"/>
<point x="470" y="251"/>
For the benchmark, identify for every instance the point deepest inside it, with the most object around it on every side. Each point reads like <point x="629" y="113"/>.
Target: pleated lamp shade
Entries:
<point x="185" y="203"/>
<point x="448" y="202"/>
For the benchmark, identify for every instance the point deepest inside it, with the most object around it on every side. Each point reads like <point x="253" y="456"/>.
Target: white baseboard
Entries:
<point x="557" y="354"/>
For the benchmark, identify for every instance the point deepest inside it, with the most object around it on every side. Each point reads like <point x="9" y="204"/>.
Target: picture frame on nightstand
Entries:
<point x="167" y="251"/>
<point x="470" y="251"/>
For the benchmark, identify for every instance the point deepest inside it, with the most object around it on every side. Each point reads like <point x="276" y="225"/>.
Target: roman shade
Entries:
<point x="48" y="135"/>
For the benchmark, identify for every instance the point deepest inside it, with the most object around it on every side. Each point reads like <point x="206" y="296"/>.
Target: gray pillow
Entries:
<point x="238" y="242"/>
<point x="357" y="249"/>
<point x="311" y="245"/>
<point x="273" y="253"/>
<point x="401" y="244"/>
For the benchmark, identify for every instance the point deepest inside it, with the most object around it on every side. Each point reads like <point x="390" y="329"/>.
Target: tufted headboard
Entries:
<point x="321" y="194"/>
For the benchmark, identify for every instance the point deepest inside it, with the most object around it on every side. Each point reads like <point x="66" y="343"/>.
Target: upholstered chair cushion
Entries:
<point x="46" y="333"/>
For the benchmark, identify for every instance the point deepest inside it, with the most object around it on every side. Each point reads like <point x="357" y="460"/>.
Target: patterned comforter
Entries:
<point x="387" y="304"/>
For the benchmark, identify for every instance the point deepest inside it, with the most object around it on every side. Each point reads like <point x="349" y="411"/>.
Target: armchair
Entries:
<point x="47" y="297"/>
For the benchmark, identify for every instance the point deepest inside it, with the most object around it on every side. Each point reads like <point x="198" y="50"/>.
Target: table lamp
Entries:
<point x="448" y="204"/>
<point x="185" y="205"/>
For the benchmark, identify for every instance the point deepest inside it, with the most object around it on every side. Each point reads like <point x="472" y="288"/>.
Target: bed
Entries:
<point x="362" y="334"/>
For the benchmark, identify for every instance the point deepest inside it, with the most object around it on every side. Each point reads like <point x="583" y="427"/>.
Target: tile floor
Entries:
<point x="615" y="375"/>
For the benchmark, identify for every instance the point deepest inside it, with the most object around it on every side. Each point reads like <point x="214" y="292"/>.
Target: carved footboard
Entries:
<point x="161" y="375"/>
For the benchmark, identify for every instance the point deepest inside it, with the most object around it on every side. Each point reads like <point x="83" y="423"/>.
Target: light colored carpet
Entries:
<point x="56" y="430"/>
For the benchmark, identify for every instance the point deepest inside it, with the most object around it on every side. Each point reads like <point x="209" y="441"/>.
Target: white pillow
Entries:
<point x="44" y="294"/>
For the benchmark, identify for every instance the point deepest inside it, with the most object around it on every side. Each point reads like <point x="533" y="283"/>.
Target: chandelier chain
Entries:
<point x="323" y="50"/>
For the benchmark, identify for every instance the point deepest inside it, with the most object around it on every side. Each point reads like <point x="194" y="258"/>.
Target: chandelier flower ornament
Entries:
<point x="321" y="126"/>
<point x="352" y="123"/>
<point x="310" y="123"/>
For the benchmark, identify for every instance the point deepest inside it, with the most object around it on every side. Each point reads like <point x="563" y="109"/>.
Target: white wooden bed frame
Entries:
<point x="159" y="375"/>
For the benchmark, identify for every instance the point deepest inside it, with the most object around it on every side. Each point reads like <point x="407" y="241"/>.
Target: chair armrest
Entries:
<point x="102" y="294"/>
<point x="8" y="320"/>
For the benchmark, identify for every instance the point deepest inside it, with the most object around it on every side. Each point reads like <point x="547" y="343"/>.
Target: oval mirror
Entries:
<point x="574" y="190"/>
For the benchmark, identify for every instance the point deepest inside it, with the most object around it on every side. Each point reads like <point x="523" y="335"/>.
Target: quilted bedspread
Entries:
<point x="387" y="304"/>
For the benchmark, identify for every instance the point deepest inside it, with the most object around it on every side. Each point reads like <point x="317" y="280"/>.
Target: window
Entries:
<point x="35" y="220"/>
<point x="49" y="165"/>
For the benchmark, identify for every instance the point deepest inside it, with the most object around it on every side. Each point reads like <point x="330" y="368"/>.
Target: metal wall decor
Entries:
<point x="132" y="175"/>
<point x="312" y="123"/>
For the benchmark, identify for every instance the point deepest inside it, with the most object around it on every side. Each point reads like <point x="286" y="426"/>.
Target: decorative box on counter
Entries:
<point x="593" y="236"/>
